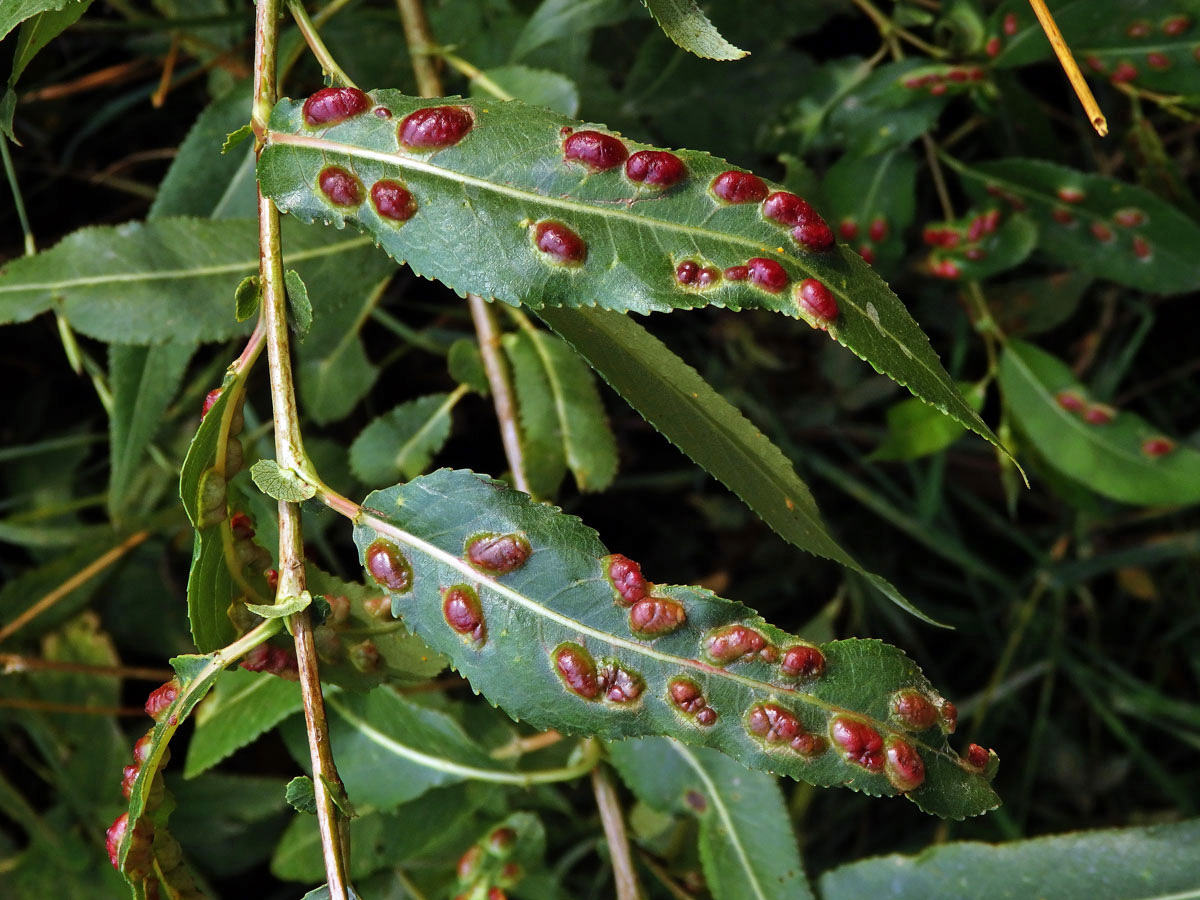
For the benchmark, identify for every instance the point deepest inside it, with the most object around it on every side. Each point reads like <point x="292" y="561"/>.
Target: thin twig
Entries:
<point x="316" y="45"/>
<point x="1070" y="67"/>
<point x="159" y="97"/>
<point x="289" y="453"/>
<point x="88" y="572"/>
<point x="421" y="48"/>
<point x="74" y="708"/>
<point x="613" y="821"/>
<point x="11" y="663"/>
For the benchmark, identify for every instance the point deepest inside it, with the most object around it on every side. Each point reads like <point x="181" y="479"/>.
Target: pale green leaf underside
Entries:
<point x="675" y="399"/>
<point x="1110" y="458"/>
<point x="561" y="595"/>
<point x="280" y="484"/>
<point x="687" y="26"/>
<point x="477" y="203"/>
<point x="1155" y="863"/>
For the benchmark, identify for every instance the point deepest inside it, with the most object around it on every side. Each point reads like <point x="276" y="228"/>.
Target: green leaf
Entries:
<point x="40" y="30"/>
<point x="555" y="21"/>
<point x="538" y="87"/>
<point x="282" y="608"/>
<point x="563" y="422"/>
<point x="747" y="844"/>
<point x="1126" y="38"/>
<point x="300" y="312"/>
<point x="17" y="11"/>
<point x="143" y="381"/>
<point x="510" y="164"/>
<point x="671" y="396"/>
<point x="234" y="138"/>
<point x="335" y="373"/>
<point x="684" y="23"/>
<point x="1030" y="306"/>
<point x="915" y="430"/>
<point x="875" y="198"/>
<point x="242" y="706"/>
<point x="301" y="795"/>
<point x="555" y="608"/>
<point x="1121" y="458"/>
<point x="279" y="484"/>
<point x="985" y="243"/>
<point x="402" y="443"/>
<point x="166" y="279"/>
<point x="1154" y="863"/>
<point x="246" y="298"/>
<point x="466" y="366"/>
<point x="1112" y="229"/>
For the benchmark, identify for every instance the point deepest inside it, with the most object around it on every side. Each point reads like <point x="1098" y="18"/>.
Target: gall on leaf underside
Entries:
<point x="559" y="646"/>
<point x="500" y="208"/>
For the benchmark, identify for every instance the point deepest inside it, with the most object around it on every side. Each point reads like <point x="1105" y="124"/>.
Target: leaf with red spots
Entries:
<point x="1149" y="43"/>
<point x="864" y="193"/>
<point x="747" y="845"/>
<point x="1125" y="458"/>
<point x="559" y="651"/>
<point x="687" y="26"/>
<point x="1112" y="229"/>
<point x="501" y="212"/>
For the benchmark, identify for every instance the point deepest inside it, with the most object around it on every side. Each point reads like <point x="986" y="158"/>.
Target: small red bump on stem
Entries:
<point x="977" y="757"/>
<point x="1176" y="25"/>
<point x="787" y="209"/>
<point x="272" y="578"/>
<point x="803" y="661"/>
<point x="686" y="272"/>
<point x="859" y="742"/>
<point x="992" y="47"/>
<point x="913" y="711"/>
<point x="393" y="201"/>
<point x="435" y="127"/>
<point x="559" y="243"/>
<point x="1099" y="414"/>
<point x="1141" y="248"/>
<point x="656" y="168"/>
<point x="905" y="768"/>
<point x="626" y="577"/>
<point x="498" y="554"/>
<point x="596" y="150"/>
<point x="1130" y="217"/>
<point x="340" y="187"/>
<point x="209" y="399"/>
<point x="731" y="642"/>
<point x="848" y="229"/>
<point x="161" y="698"/>
<point x="739" y="187"/>
<point x="772" y="723"/>
<point x="1123" y="73"/>
<point x="1010" y="24"/>
<point x="1069" y="194"/>
<point x="1158" y="61"/>
<point x="767" y="274"/>
<point x="388" y="566"/>
<point x="1157" y="446"/>
<point x="577" y="670"/>
<point x="737" y="273"/>
<point x="463" y="613"/>
<point x="1070" y="401"/>
<point x="1062" y="215"/>
<point x="656" y="616"/>
<point x="329" y="106"/>
<point x="816" y="303"/>
<point x="867" y="254"/>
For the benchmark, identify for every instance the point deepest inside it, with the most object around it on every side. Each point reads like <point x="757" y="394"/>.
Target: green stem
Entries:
<point x="289" y="453"/>
<point x="316" y="45"/>
<point x="18" y="200"/>
<point x="476" y="75"/>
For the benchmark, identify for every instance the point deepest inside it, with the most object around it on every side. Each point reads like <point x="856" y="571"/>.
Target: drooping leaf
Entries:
<point x="17" y="11"/>
<point x="747" y="845"/>
<point x="591" y="673"/>
<point x="687" y="26"/>
<point x="144" y="381"/>
<point x="538" y="87"/>
<point x="282" y="607"/>
<point x="279" y="483"/>
<point x="671" y="396"/>
<point x="559" y="20"/>
<point x="300" y="313"/>
<point x="1147" y="43"/>
<point x="614" y="242"/>
<point x="401" y="443"/>
<point x="1112" y="229"/>
<point x="301" y="795"/>
<point x="915" y="430"/>
<point x="242" y="706"/>
<point x="168" y="279"/>
<point x="563" y="422"/>
<point x="1118" y="864"/>
<point x="40" y="30"/>
<point x="1029" y="306"/>
<point x="1117" y="454"/>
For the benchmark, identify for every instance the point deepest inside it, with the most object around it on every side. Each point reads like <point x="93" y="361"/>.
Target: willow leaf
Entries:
<point x="477" y="206"/>
<point x="687" y="26"/>
<point x="550" y="620"/>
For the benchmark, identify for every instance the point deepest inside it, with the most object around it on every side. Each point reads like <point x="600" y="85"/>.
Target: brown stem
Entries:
<point x="429" y="83"/>
<point x="624" y="874"/>
<point x="289" y="453"/>
<point x="12" y="662"/>
<point x="78" y="708"/>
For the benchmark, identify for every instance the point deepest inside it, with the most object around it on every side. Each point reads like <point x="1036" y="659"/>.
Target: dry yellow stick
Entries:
<point x="1063" y="52"/>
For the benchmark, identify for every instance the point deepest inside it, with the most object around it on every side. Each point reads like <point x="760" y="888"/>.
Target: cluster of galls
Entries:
<point x="487" y="867"/>
<point x="964" y="239"/>
<point x="212" y="490"/>
<point x="1072" y="401"/>
<point x="1140" y="29"/>
<point x="147" y="847"/>
<point x="877" y="232"/>
<point x="938" y="81"/>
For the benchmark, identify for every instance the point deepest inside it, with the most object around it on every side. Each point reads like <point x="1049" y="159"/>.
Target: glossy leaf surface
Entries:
<point x="547" y="641"/>
<point x="686" y="25"/>
<point x="1117" y="454"/>
<point x="481" y="204"/>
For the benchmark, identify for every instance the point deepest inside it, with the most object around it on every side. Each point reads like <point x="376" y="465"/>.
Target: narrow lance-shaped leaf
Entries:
<point x="509" y="201"/>
<point x="531" y="607"/>
<point x="685" y="24"/>
<point x="747" y="844"/>
<point x="401" y="443"/>
<point x="1117" y="454"/>
<point x="671" y="396"/>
